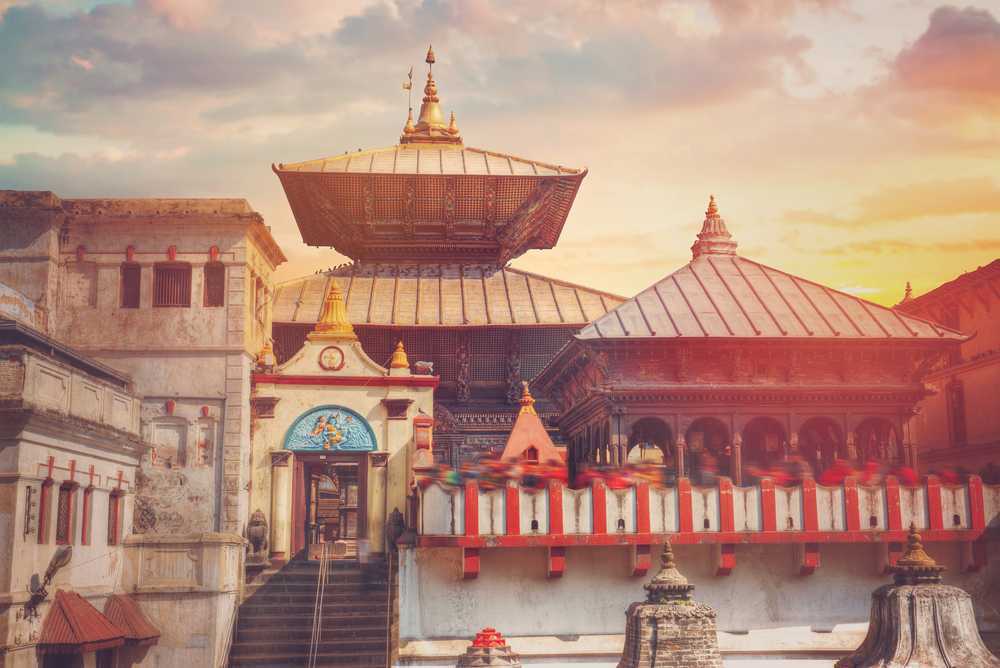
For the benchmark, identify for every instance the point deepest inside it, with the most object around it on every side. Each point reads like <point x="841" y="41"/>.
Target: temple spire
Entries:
<point x="431" y="126"/>
<point x="527" y="401"/>
<point x="333" y="322"/>
<point x="908" y="293"/>
<point x="714" y="238"/>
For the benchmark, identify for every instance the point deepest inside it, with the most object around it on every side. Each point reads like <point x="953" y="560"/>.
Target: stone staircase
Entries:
<point x="276" y="617"/>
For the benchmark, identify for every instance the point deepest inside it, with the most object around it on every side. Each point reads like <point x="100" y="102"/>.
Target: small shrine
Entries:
<point x="668" y="628"/>
<point x="918" y="621"/>
<point x="489" y="649"/>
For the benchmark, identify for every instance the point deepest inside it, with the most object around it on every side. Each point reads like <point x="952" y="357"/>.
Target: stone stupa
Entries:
<point x="668" y="629"/>
<point x="917" y="622"/>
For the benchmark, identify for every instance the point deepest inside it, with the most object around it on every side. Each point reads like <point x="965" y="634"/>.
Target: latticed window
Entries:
<point x="114" y="518"/>
<point x="64" y="515"/>
<point x="172" y="284"/>
<point x="131" y="280"/>
<point x="215" y="284"/>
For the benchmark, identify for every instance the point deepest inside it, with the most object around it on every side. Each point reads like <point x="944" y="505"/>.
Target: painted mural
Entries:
<point x="331" y="428"/>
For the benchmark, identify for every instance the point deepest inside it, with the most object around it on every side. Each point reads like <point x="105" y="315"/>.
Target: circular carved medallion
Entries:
<point x="331" y="358"/>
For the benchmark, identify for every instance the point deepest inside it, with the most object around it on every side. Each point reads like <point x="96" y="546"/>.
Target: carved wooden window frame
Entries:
<point x="130" y="285"/>
<point x="172" y="285"/>
<point x="215" y="285"/>
<point x="114" y="517"/>
<point x="66" y="514"/>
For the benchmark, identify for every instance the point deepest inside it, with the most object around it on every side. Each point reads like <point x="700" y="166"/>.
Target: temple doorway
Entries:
<point x="330" y="492"/>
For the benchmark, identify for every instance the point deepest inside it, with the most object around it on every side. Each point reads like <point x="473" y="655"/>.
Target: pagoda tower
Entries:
<point x="430" y="225"/>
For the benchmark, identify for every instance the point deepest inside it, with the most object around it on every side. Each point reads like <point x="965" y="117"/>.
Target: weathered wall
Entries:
<point x="764" y="591"/>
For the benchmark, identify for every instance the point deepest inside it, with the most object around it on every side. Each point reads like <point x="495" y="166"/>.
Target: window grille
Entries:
<point x="215" y="284"/>
<point x="86" y="511"/>
<point x="172" y="285"/>
<point x="114" y="518"/>
<point x="64" y="515"/>
<point x="131" y="280"/>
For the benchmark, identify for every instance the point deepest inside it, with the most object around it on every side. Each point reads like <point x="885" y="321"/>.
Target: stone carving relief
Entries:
<point x="463" y="385"/>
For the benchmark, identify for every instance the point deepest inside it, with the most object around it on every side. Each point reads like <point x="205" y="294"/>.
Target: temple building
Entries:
<point x="727" y="364"/>
<point x="430" y="225"/>
<point x="957" y="424"/>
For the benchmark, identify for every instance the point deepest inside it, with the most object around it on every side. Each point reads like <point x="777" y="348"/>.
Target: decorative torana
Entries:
<point x="331" y="428"/>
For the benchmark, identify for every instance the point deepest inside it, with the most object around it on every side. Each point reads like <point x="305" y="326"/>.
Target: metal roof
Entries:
<point x="728" y="296"/>
<point x="74" y="626"/>
<point x="442" y="295"/>
<point x="125" y="613"/>
<point x="429" y="159"/>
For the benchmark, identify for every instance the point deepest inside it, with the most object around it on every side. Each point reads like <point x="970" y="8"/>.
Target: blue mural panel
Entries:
<point x="331" y="428"/>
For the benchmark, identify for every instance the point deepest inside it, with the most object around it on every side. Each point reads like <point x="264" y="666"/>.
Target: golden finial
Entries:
<point x="333" y="322"/>
<point x="266" y="356"/>
<point x="431" y="127"/>
<point x="408" y="128"/>
<point x="399" y="359"/>
<point x="908" y="293"/>
<point x="527" y="401"/>
<point x="713" y="210"/>
<point x="453" y="126"/>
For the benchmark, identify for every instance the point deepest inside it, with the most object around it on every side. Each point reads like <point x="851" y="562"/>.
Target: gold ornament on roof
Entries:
<point x="333" y="322"/>
<point x="399" y="359"/>
<point x="714" y="238"/>
<point x="527" y="401"/>
<point x="431" y="127"/>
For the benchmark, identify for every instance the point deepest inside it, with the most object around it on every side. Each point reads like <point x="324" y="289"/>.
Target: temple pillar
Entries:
<point x="736" y="461"/>
<point x="281" y="504"/>
<point x="679" y="448"/>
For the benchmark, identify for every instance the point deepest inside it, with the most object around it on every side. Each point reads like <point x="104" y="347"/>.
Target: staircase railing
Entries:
<point x="317" y="625"/>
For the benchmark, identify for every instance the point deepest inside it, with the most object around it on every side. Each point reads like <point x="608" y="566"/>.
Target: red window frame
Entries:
<point x="114" y="517"/>
<point x="44" y="503"/>
<point x="86" y="512"/>
<point x="66" y="514"/>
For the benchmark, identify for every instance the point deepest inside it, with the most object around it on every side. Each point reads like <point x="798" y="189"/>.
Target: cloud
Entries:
<point x="901" y="246"/>
<point x="929" y="199"/>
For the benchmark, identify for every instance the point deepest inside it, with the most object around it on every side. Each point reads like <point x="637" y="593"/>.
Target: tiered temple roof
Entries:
<point x="723" y="295"/>
<point x="442" y="295"/>
<point x="430" y="198"/>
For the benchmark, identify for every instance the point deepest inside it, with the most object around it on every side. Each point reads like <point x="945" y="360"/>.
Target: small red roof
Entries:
<point x="529" y="432"/>
<point x="74" y="626"/>
<point x="125" y="613"/>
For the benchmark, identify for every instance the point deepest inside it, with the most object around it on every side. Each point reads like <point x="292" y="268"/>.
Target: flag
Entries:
<point x="409" y="83"/>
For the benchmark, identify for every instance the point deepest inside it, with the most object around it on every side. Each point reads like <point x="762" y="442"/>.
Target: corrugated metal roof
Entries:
<point x="73" y="626"/>
<point x="124" y="612"/>
<point x="725" y="295"/>
<point x="442" y="295"/>
<point x="429" y="159"/>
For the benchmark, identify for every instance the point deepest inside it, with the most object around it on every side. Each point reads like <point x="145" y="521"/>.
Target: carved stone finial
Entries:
<point x="714" y="238"/>
<point x="916" y="566"/>
<point x="669" y="585"/>
<point x="907" y="293"/>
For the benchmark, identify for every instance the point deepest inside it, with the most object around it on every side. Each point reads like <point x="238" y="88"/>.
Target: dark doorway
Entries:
<point x="330" y="502"/>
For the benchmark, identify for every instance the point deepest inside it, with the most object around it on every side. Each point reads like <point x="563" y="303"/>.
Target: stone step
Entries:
<point x="310" y="583"/>
<point x="338" y="660"/>
<point x="283" y="609"/>
<point x="300" y="648"/>
<point x="346" y="616"/>
<point x="331" y="631"/>
<point x="309" y="598"/>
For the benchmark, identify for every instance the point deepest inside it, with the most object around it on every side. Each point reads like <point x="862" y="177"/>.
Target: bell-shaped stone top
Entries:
<point x="714" y="238"/>
<point x="669" y="585"/>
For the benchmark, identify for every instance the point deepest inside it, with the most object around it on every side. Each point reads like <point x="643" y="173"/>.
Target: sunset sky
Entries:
<point x="853" y="143"/>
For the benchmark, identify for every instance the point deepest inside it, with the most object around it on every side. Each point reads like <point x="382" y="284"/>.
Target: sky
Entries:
<point x="852" y="143"/>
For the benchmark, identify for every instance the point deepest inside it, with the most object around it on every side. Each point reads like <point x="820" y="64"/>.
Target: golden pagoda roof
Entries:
<point x="721" y="294"/>
<point x="442" y="295"/>
<point x="412" y="159"/>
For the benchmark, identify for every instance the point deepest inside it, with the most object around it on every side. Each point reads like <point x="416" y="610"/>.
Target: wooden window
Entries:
<point x="215" y="284"/>
<point x="114" y="517"/>
<point x="44" y="510"/>
<point x="65" y="524"/>
<point x="172" y="284"/>
<point x="131" y="279"/>
<point x="86" y="511"/>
